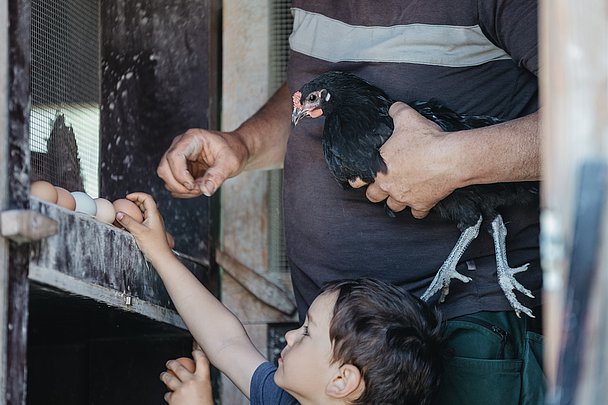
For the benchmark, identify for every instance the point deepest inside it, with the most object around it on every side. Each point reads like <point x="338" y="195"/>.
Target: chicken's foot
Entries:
<point x="448" y="269"/>
<point x="506" y="274"/>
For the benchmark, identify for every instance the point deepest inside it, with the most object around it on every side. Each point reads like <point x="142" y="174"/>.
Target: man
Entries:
<point x="476" y="58"/>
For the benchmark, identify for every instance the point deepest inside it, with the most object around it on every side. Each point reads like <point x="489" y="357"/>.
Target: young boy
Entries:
<point x="362" y="342"/>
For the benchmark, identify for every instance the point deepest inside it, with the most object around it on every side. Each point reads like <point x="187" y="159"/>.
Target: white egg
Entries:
<point x="105" y="211"/>
<point x="84" y="203"/>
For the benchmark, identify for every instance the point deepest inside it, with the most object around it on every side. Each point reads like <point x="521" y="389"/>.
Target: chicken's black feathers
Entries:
<point x="357" y="124"/>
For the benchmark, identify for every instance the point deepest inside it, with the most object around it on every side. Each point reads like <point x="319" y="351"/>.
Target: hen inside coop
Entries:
<point x="64" y="120"/>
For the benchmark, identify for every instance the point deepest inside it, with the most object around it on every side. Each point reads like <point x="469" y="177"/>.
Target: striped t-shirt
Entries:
<point x="477" y="57"/>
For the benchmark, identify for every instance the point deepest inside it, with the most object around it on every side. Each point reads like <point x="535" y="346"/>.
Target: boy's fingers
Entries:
<point x="199" y="355"/>
<point x="128" y="222"/>
<point x="202" y="363"/>
<point x="145" y="202"/>
<point x="170" y="380"/>
<point x="143" y="199"/>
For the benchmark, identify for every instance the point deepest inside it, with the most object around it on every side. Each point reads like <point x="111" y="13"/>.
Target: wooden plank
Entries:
<point x="257" y="284"/>
<point x="583" y="274"/>
<point x="17" y="169"/>
<point x="94" y="254"/>
<point x="574" y="95"/>
<point x="4" y="170"/>
<point x="24" y="226"/>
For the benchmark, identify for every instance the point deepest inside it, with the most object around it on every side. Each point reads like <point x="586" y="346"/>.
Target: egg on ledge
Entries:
<point x="105" y="211"/>
<point x="84" y="203"/>
<point x="129" y="208"/>
<point x="44" y="191"/>
<point x="65" y="199"/>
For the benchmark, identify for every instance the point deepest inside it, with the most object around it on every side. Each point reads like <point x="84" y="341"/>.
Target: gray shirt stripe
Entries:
<point x="439" y="45"/>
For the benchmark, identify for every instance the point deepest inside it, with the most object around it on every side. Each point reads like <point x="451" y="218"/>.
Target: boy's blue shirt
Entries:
<point x="264" y="391"/>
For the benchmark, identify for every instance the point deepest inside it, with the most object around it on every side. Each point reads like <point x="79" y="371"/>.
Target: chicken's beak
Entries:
<point x="297" y="115"/>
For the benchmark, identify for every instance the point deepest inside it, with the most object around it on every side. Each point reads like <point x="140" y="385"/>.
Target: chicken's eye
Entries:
<point x="312" y="97"/>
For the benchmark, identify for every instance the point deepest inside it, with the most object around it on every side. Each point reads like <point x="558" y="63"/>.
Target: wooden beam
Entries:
<point x="24" y="226"/>
<point x="574" y="98"/>
<point x="4" y="170"/>
<point x="17" y="168"/>
<point x="257" y="284"/>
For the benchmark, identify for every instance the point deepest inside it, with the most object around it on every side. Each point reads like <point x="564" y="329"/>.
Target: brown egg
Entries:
<point x="187" y="362"/>
<point x="129" y="208"/>
<point x="44" y="190"/>
<point x="65" y="199"/>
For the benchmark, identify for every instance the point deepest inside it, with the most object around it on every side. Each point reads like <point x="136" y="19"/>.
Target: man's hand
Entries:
<point x="199" y="161"/>
<point x="419" y="171"/>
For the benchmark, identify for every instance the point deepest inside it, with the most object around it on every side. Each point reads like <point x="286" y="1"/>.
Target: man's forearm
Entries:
<point x="500" y="153"/>
<point x="265" y="134"/>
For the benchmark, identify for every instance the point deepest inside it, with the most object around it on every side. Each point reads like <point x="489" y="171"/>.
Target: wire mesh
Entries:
<point x="281" y="22"/>
<point x="64" y="121"/>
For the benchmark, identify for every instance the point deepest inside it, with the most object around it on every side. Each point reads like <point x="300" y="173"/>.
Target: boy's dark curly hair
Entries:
<point x="393" y="337"/>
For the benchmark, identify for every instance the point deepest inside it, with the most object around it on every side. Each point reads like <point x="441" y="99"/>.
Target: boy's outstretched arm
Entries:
<point x="219" y="333"/>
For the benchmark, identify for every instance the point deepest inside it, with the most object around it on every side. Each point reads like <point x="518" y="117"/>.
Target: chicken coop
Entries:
<point x="93" y="92"/>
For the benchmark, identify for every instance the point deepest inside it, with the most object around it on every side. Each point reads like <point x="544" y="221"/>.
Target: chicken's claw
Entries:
<point x="506" y="274"/>
<point x="448" y="269"/>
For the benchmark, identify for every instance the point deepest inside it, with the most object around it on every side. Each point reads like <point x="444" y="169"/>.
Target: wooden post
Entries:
<point x="4" y="35"/>
<point x="574" y="98"/>
<point x="15" y="166"/>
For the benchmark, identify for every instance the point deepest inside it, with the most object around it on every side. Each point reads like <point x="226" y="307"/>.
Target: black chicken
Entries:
<point x="357" y="123"/>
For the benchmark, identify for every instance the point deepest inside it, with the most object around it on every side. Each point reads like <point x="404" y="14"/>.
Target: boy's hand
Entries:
<point x="188" y="387"/>
<point x="150" y="234"/>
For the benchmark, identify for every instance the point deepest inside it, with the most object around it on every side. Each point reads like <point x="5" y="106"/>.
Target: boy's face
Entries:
<point x="304" y="366"/>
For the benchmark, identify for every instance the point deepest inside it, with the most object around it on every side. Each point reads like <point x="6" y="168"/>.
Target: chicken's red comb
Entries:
<point x="296" y="99"/>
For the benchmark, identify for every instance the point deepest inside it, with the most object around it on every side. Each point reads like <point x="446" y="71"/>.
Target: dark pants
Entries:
<point x="497" y="359"/>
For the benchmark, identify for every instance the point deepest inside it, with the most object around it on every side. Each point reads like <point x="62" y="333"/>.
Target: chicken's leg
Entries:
<point x="506" y="274"/>
<point x="448" y="269"/>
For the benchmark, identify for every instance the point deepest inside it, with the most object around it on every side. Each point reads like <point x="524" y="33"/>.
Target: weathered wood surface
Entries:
<point x="258" y="284"/>
<point x="100" y="261"/>
<point x="4" y="179"/>
<point x="156" y="70"/>
<point x="24" y="226"/>
<point x="16" y="168"/>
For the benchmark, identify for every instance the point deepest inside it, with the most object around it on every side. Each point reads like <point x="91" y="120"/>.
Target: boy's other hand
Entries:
<point x="188" y="384"/>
